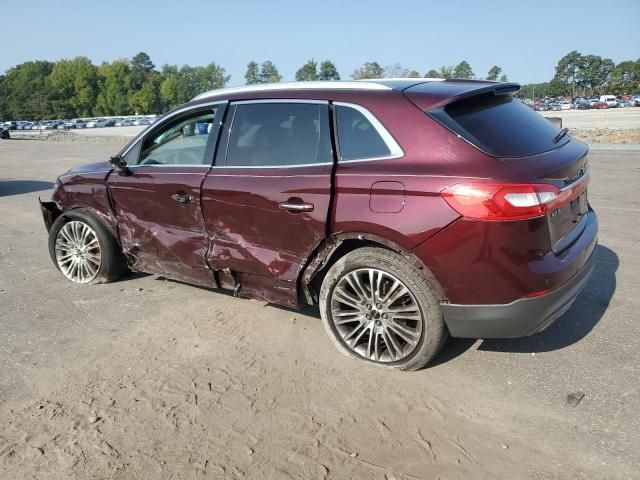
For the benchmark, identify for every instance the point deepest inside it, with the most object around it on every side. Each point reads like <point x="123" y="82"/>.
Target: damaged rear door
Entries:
<point x="157" y="203"/>
<point x="267" y="199"/>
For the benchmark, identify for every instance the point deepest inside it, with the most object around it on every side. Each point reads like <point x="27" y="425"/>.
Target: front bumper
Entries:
<point x="520" y="318"/>
<point x="50" y="212"/>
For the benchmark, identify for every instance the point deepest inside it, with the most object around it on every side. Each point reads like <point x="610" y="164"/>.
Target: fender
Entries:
<point x="328" y="247"/>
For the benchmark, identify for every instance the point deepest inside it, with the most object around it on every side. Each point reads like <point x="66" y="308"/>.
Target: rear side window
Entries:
<point x="361" y="136"/>
<point x="279" y="134"/>
<point x="499" y="125"/>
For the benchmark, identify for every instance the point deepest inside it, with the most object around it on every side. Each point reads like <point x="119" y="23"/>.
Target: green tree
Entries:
<point x="504" y="78"/>
<point x="308" y="72"/>
<point x="269" y="73"/>
<point x="463" y="70"/>
<point x="432" y="74"/>
<point x="567" y="72"/>
<point x="625" y="78"/>
<point x="368" y="70"/>
<point x="594" y="73"/>
<point x="252" y="76"/>
<point x="4" y="108"/>
<point x="141" y="67"/>
<point x="29" y="93"/>
<point x="328" y="71"/>
<point x="74" y="84"/>
<point x="494" y="73"/>
<point x="114" y="88"/>
<point x="147" y="99"/>
<point x="398" y="71"/>
<point x="445" y="71"/>
<point x="533" y="91"/>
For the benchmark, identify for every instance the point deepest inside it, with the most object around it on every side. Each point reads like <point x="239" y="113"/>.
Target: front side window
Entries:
<point x="182" y="142"/>
<point x="361" y="136"/>
<point x="279" y="134"/>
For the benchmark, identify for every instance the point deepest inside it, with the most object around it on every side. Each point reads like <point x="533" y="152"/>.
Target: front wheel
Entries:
<point x="84" y="250"/>
<point x="377" y="306"/>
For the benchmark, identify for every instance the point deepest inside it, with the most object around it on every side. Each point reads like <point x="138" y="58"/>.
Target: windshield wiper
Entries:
<point x="561" y="135"/>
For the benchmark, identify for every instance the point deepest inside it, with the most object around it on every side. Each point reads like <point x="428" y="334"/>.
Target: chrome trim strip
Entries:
<point x="392" y="145"/>
<point x="274" y="166"/>
<point x="280" y="100"/>
<point x="577" y="182"/>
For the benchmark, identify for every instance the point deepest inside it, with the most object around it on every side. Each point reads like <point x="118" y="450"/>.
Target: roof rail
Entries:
<point x="320" y="85"/>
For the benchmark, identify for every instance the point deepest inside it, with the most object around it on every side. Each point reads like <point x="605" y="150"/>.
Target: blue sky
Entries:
<point x="525" y="39"/>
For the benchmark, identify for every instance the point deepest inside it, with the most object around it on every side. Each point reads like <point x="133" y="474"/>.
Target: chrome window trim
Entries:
<point x="174" y="165"/>
<point x="394" y="148"/>
<point x="280" y="100"/>
<point x="274" y="166"/>
<point x="168" y="117"/>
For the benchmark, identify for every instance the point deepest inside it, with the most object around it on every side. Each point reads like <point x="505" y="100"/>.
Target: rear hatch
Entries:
<point x="503" y="127"/>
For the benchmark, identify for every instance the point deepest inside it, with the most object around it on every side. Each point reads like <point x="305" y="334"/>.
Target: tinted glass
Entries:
<point x="183" y="142"/>
<point x="357" y="137"/>
<point x="500" y="125"/>
<point x="273" y="134"/>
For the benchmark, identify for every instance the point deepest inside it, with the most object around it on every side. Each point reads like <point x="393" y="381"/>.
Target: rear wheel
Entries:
<point x="84" y="250"/>
<point x="377" y="306"/>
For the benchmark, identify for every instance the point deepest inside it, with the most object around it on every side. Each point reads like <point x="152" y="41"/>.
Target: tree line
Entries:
<point x="582" y="75"/>
<point x="76" y="87"/>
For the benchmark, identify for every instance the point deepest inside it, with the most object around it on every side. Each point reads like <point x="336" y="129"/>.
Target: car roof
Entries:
<point x="426" y="92"/>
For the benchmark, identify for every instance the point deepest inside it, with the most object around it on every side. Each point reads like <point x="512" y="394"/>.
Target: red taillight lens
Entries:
<point x="505" y="201"/>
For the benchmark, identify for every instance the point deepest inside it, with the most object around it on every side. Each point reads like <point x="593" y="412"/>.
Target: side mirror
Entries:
<point x="120" y="165"/>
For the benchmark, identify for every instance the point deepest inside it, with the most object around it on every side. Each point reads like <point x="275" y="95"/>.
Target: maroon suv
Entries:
<point x="405" y="209"/>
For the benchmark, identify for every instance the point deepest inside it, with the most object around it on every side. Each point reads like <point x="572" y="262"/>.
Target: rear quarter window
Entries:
<point x="499" y="125"/>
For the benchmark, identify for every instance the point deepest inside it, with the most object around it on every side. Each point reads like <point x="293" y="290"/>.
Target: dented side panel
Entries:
<point x="254" y="236"/>
<point x="85" y="188"/>
<point x="163" y="235"/>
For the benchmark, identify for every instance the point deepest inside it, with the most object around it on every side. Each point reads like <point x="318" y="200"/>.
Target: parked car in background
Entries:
<point x="565" y="105"/>
<point x="555" y="106"/>
<point x="125" y="122"/>
<point x="600" y="105"/>
<point x="583" y="105"/>
<point x="542" y="107"/>
<point x="610" y="100"/>
<point x="329" y="194"/>
<point x="624" y="103"/>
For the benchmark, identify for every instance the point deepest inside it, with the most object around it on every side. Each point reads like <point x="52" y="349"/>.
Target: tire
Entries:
<point x="377" y="321"/>
<point x="111" y="263"/>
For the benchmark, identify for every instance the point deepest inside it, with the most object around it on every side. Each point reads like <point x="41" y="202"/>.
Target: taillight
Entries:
<point x="508" y="201"/>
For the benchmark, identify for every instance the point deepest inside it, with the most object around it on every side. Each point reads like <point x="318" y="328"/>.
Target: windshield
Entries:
<point x="499" y="125"/>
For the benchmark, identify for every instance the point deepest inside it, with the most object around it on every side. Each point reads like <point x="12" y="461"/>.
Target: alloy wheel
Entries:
<point x="78" y="252"/>
<point x="376" y="315"/>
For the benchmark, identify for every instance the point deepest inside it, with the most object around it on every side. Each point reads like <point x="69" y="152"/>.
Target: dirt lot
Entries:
<point x="149" y="378"/>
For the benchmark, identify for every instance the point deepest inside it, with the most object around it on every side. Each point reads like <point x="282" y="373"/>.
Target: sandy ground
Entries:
<point x="147" y="378"/>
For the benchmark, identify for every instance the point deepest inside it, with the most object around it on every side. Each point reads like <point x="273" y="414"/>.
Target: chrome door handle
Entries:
<point x="296" y="207"/>
<point x="182" y="198"/>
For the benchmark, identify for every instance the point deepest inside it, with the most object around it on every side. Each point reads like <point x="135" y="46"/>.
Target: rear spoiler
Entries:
<point x="430" y="95"/>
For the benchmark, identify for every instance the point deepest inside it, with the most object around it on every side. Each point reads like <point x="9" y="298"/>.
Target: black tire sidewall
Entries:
<point x="433" y="330"/>
<point x="112" y="263"/>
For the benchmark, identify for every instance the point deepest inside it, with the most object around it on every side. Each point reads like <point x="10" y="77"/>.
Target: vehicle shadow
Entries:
<point x="581" y="318"/>
<point x="17" y="187"/>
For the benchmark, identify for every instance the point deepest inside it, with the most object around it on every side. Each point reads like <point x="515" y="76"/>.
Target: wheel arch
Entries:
<point x="337" y="246"/>
<point x="104" y="219"/>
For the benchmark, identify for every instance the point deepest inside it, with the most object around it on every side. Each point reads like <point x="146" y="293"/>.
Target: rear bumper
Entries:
<point x="520" y="318"/>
